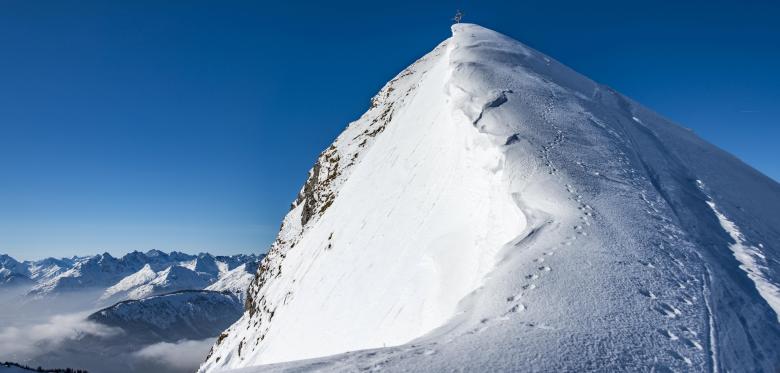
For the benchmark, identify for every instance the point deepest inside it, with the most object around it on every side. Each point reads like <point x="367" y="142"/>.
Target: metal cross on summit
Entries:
<point x="458" y="16"/>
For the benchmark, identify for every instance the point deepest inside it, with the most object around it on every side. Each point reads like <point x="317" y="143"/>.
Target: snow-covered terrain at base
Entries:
<point x="496" y="211"/>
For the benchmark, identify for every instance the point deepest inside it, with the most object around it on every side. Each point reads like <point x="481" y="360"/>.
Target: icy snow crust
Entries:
<point x="506" y="214"/>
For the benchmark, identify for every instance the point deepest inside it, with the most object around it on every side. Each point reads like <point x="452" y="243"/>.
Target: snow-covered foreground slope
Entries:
<point x="496" y="211"/>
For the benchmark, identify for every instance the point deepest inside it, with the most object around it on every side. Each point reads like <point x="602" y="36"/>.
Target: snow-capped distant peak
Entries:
<point x="236" y="281"/>
<point x="132" y="276"/>
<point x="142" y="277"/>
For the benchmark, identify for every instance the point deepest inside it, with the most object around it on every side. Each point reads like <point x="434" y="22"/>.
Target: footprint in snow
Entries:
<point x="668" y="334"/>
<point x="677" y="356"/>
<point x="668" y="310"/>
<point x="692" y="344"/>
<point x="516" y="308"/>
<point x="685" y="300"/>
<point x="689" y="331"/>
<point x="646" y="263"/>
<point x="647" y="293"/>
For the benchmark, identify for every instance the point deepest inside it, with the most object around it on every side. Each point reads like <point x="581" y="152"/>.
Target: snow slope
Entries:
<point x="496" y="211"/>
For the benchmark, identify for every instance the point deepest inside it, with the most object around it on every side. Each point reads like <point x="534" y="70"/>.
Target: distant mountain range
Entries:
<point x="153" y="299"/>
<point x="135" y="275"/>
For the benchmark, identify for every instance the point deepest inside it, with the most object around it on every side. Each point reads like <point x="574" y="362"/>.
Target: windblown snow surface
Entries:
<point x="496" y="211"/>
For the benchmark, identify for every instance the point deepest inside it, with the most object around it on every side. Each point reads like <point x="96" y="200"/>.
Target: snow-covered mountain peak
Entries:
<point x="426" y="183"/>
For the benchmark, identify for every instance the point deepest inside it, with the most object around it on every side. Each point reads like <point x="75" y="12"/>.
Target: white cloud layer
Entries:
<point x="184" y="355"/>
<point x="39" y="338"/>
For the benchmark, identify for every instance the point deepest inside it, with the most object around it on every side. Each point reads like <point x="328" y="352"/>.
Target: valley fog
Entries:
<point x="55" y="332"/>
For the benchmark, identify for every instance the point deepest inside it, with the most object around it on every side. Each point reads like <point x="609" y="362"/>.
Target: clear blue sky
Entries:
<point x="191" y="124"/>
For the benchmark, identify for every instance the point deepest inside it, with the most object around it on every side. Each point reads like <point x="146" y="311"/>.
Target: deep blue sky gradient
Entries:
<point x="191" y="125"/>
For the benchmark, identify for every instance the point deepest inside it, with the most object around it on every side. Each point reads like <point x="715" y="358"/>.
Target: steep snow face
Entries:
<point x="496" y="211"/>
<point x="438" y="228"/>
